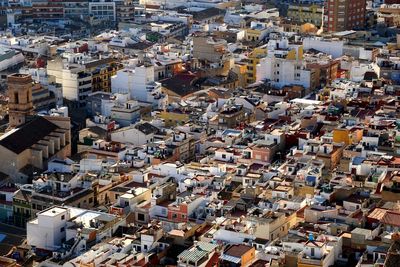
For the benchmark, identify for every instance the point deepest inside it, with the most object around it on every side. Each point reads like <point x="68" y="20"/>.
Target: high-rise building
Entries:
<point x="306" y="13"/>
<point x="125" y="11"/>
<point x="45" y="10"/>
<point x="102" y="11"/>
<point x="20" y="103"/>
<point x="342" y="15"/>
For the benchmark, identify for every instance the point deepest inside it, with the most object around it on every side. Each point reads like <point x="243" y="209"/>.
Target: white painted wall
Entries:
<point x="45" y="231"/>
<point x="334" y="48"/>
<point x="132" y="136"/>
<point x="282" y="72"/>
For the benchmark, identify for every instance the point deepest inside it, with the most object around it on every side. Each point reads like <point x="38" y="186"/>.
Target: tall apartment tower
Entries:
<point x="20" y="103"/>
<point x="343" y="15"/>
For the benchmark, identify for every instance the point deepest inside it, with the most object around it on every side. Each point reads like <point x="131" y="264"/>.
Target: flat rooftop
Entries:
<point x="53" y="212"/>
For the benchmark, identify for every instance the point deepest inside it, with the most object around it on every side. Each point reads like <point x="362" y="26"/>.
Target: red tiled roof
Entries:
<point x="393" y="161"/>
<point x="213" y="261"/>
<point x="391" y="218"/>
<point x="237" y="250"/>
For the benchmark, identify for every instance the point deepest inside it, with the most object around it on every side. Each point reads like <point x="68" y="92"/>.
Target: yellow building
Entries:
<point x="296" y="52"/>
<point x="240" y="69"/>
<point x="238" y="255"/>
<point x="347" y="136"/>
<point x="292" y="52"/>
<point x="306" y="13"/>
<point x="102" y="70"/>
<point x="173" y="118"/>
<point x="252" y="61"/>
<point x="253" y="34"/>
<point x="257" y="31"/>
<point x="291" y="26"/>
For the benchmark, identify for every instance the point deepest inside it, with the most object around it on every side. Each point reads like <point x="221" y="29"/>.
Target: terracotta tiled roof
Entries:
<point x="391" y="218"/>
<point x="237" y="250"/>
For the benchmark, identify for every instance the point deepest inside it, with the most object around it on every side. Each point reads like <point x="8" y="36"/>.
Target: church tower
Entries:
<point x="20" y="103"/>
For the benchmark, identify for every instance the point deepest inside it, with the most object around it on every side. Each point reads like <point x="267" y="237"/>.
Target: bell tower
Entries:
<point x="20" y="103"/>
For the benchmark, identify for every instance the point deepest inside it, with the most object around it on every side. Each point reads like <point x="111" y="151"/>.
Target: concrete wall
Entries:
<point x="11" y="163"/>
<point x="45" y="232"/>
<point x="334" y="48"/>
<point x="132" y="136"/>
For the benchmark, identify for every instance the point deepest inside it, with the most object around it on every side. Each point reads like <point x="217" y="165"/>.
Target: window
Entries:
<point x="63" y="217"/>
<point x="312" y="252"/>
<point x="62" y="229"/>
<point x="223" y="156"/>
<point x="141" y="217"/>
<point x="91" y="200"/>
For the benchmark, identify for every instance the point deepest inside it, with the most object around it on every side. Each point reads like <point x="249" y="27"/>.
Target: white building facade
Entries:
<point x="139" y="83"/>
<point x="281" y="72"/>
